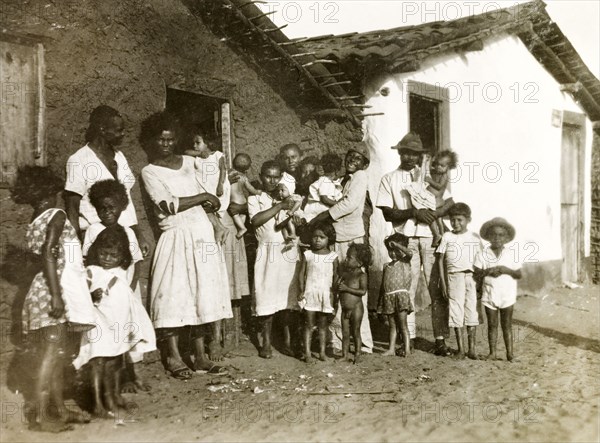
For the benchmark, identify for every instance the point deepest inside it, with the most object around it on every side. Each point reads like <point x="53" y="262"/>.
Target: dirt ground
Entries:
<point x="551" y="394"/>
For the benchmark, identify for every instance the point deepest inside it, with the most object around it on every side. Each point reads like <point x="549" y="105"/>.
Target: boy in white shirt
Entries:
<point x="458" y="249"/>
<point x="499" y="268"/>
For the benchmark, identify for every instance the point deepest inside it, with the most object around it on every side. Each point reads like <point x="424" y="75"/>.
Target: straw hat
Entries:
<point x="410" y="141"/>
<point x="486" y="228"/>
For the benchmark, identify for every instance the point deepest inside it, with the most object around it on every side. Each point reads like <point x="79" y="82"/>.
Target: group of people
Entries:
<point x="311" y="268"/>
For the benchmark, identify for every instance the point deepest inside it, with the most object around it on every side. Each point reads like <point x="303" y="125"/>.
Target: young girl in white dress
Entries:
<point x="58" y="300"/>
<point x="317" y="275"/>
<point x="123" y="324"/>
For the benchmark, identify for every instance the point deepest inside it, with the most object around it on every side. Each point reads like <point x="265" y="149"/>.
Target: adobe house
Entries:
<point x="217" y="63"/>
<point x="508" y="92"/>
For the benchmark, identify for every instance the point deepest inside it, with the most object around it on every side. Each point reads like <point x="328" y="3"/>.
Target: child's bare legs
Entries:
<point x="111" y="384"/>
<point x="51" y="339"/>
<point x="472" y="354"/>
<point x="403" y="321"/>
<point x="346" y="313"/>
<point x="65" y="414"/>
<point x="322" y="324"/>
<point x="492" y="320"/>
<point x="239" y="220"/>
<point x="214" y="347"/>
<point x="436" y="232"/>
<point x="393" y="335"/>
<point x="357" y="315"/>
<point x="97" y="373"/>
<point x="309" y="323"/>
<point x="506" y="322"/>
<point x="460" y="341"/>
<point x="266" y="351"/>
<point x="289" y="324"/>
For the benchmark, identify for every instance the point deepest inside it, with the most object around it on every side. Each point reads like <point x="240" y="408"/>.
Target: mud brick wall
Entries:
<point x="124" y="54"/>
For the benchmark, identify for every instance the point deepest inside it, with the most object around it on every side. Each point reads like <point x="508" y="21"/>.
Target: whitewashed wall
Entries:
<point x="501" y="102"/>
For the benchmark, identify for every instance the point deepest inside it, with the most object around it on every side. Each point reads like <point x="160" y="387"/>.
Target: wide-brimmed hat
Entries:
<point x="410" y="141"/>
<point x="362" y="150"/>
<point x="486" y="228"/>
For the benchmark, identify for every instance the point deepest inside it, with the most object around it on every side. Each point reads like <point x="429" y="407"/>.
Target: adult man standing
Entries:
<point x="394" y="201"/>
<point x="347" y="218"/>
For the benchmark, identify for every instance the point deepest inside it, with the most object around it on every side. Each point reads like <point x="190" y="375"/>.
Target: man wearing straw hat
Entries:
<point x="394" y="200"/>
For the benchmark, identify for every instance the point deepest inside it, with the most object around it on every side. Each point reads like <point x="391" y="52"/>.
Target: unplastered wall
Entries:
<point x="124" y="54"/>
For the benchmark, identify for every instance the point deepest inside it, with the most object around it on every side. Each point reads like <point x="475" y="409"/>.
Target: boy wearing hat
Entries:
<point x="395" y="202"/>
<point x="499" y="268"/>
<point x="347" y="219"/>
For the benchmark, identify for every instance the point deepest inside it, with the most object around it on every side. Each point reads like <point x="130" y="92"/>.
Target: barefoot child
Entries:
<point x="109" y="198"/>
<point x="58" y="297"/>
<point x="276" y="266"/>
<point x="394" y="299"/>
<point x="212" y="172"/>
<point x="352" y="285"/>
<point x="438" y="181"/>
<point x="327" y="190"/>
<point x="240" y="190"/>
<point x="317" y="274"/>
<point x="123" y="324"/>
<point x="458" y="249"/>
<point x="499" y="268"/>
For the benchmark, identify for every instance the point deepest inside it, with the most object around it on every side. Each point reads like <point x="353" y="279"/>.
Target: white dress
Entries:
<point x="207" y="174"/>
<point x="189" y="284"/>
<point x="319" y="280"/>
<point x="122" y="325"/>
<point x="277" y="264"/>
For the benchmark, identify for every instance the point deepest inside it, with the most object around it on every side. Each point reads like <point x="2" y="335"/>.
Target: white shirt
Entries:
<point x="460" y="250"/>
<point x="84" y="168"/>
<point x="393" y="194"/>
<point x="289" y="181"/>
<point x="503" y="286"/>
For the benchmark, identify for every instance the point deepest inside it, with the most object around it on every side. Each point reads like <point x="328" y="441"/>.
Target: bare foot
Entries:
<point x="215" y="352"/>
<point x="241" y="233"/>
<point x="511" y="358"/>
<point x="100" y="412"/>
<point x="308" y="359"/>
<point x="70" y="416"/>
<point x="491" y="357"/>
<point x="323" y="357"/>
<point x="459" y="356"/>
<point x="357" y="357"/>
<point x="287" y="350"/>
<point x="472" y="356"/>
<point x="389" y="352"/>
<point x="50" y="426"/>
<point x="265" y="353"/>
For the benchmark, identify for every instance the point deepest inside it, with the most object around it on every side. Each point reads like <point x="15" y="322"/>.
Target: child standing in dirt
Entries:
<point x="394" y="298"/>
<point x="109" y="198"/>
<point x="438" y="180"/>
<point x="108" y="259"/>
<point x="317" y="275"/>
<point x="498" y="268"/>
<point x="58" y="300"/>
<point x="458" y="250"/>
<point x="351" y="286"/>
<point x="240" y="191"/>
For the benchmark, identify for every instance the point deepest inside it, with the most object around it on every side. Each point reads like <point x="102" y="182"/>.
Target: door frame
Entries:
<point x="578" y="120"/>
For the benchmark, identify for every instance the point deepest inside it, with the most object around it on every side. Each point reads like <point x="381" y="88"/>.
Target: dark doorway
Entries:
<point x="424" y="120"/>
<point x="196" y="112"/>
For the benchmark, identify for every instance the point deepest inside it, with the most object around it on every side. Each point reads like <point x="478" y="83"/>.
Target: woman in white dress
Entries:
<point x="276" y="268"/>
<point x="189" y="283"/>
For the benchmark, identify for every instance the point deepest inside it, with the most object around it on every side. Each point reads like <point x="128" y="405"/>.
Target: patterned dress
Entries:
<point x="319" y="279"/>
<point x="79" y="310"/>
<point x="395" y="291"/>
